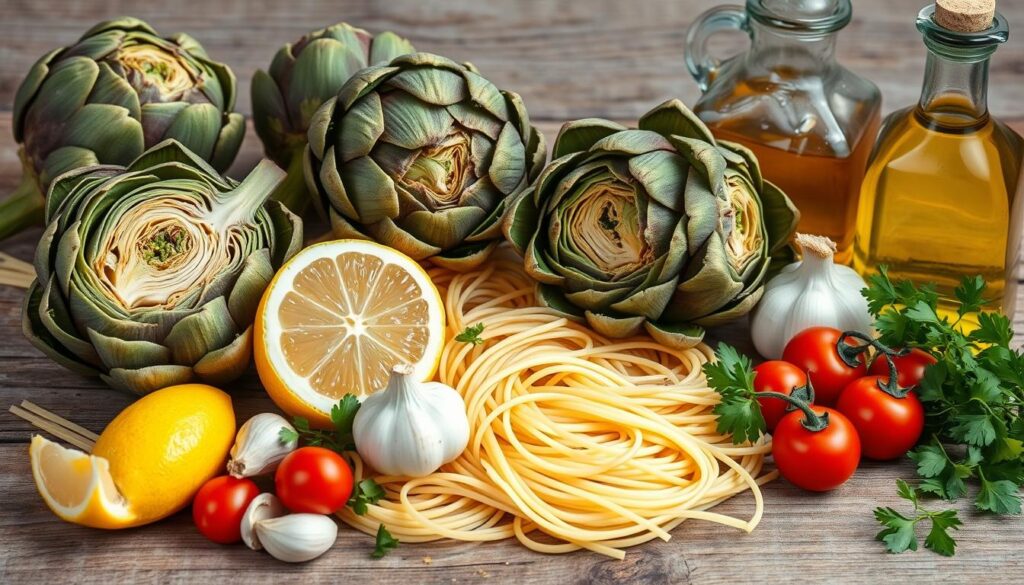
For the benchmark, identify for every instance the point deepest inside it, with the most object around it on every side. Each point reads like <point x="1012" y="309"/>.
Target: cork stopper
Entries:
<point x="966" y="16"/>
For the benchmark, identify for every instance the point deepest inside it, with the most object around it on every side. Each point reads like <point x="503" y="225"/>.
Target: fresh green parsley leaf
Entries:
<point x="938" y="538"/>
<point x="974" y="429"/>
<point x="898" y="532"/>
<point x="287" y="435"/>
<point x="969" y="293"/>
<point x="364" y="493"/>
<point x="999" y="497"/>
<point x="471" y="334"/>
<point x="739" y="413"/>
<point x="384" y="543"/>
<point x="340" y="439"/>
<point x="931" y="460"/>
<point x="993" y="328"/>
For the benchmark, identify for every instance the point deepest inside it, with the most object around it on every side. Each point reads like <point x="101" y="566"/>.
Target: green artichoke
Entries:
<point x="150" y="275"/>
<point x="661" y="228"/>
<point x="302" y="77"/>
<point x="104" y="100"/>
<point x="422" y="155"/>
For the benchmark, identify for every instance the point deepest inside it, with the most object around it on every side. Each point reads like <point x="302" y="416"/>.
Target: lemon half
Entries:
<point x="336" y="319"/>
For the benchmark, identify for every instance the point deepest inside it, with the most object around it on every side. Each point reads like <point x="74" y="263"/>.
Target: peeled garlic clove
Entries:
<point x="297" y="538"/>
<point x="258" y="447"/>
<point x="262" y="507"/>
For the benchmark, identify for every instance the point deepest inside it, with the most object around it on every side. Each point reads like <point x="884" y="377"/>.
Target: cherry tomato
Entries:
<point x="781" y="377"/>
<point x="219" y="506"/>
<point x="816" y="460"/>
<point x="888" y="426"/>
<point x="910" y="368"/>
<point x="313" y="480"/>
<point x="814" y="351"/>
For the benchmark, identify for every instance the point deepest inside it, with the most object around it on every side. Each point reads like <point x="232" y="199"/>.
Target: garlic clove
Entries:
<point x="263" y="507"/>
<point x="258" y="447"/>
<point x="297" y="538"/>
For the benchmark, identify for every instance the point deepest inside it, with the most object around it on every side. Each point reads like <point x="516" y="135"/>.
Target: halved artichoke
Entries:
<point x="150" y="275"/>
<point x="302" y="76"/>
<point x="104" y="100"/>
<point x="422" y="155"/>
<point x="660" y="228"/>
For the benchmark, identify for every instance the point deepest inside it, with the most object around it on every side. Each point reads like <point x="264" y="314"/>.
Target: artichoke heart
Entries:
<point x="422" y="154"/>
<point x="660" y="228"/>
<point x="119" y="90"/>
<point x="150" y="275"/>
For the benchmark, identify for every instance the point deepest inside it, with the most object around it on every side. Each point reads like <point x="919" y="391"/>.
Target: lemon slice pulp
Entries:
<point x="336" y="319"/>
<point x="77" y="486"/>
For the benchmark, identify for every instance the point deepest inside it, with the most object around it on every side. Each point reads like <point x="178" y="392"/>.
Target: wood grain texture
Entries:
<point x="568" y="58"/>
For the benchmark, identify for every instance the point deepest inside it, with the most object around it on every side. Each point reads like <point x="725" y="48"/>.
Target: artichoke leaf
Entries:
<point x="537" y="266"/>
<point x="28" y="89"/>
<point x="631" y="143"/>
<point x="333" y="187"/>
<point x="444" y="228"/>
<point x="508" y="166"/>
<point x="39" y="335"/>
<point x="680" y="336"/>
<point x="142" y="381"/>
<point x="410" y="123"/>
<point x="473" y="117"/>
<point x="522" y="220"/>
<point x="361" y="127"/>
<point x="580" y="135"/>
<point x="208" y="329"/>
<point x="649" y="302"/>
<point x="316" y="74"/>
<point x="64" y="159"/>
<point x="438" y="87"/>
<point x="672" y="118"/>
<point x="596" y="300"/>
<point x="113" y="89"/>
<point x="387" y="46"/>
<point x="65" y="91"/>
<point x="663" y="177"/>
<point x="228" y="142"/>
<point x="370" y="190"/>
<point x="614" y="326"/>
<point x="343" y="229"/>
<point x="780" y="217"/>
<point x="52" y="314"/>
<point x="130" y="354"/>
<point x="466" y="257"/>
<point x="105" y="128"/>
<point x="552" y="298"/>
<point x="486" y="95"/>
<point x="223" y="365"/>
<point x="388" y="233"/>
<point x="318" y="126"/>
<point x="192" y="128"/>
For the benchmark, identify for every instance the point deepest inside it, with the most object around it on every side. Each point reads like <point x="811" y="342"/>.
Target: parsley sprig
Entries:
<point x="973" y="395"/>
<point x="898" y="532"/>
<point x="739" y="413"/>
<point x="471" y="334"/>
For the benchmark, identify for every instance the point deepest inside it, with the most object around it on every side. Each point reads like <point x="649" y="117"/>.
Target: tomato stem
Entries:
<point x="850" y="353"/>
<point x="813" y="421"/>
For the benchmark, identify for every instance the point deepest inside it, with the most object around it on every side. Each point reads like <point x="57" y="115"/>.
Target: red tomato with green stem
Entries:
<point x="219" y="506"/>
<point x="313" y="480"/>
<point x="783" y="378"/>
<point x="910" y="367"/>
<point x="816" y="448"/>
<point x="815" y="351"/>
<point x="888" y="418"/>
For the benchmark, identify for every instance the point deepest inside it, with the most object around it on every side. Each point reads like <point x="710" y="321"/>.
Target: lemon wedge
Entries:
<point x="146" y="465"/>
<point x="76" y="486"/>
<point x="335" y="320"/>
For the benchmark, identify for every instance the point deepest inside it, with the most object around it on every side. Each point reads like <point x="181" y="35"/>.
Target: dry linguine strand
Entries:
<point x="576" y="441"/>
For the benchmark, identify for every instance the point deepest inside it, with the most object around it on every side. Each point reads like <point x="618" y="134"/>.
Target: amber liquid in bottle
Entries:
<point x="938" y="200"/>
<point x="824" y="186"/>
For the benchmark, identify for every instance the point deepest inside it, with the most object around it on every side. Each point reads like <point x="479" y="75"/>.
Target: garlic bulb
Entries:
<point x="258" y="447"/>
<point x="812" y="292"/>
<point x="297" y="538"/>
<point x="411" y="428"/>
<point x="263" y="507"/>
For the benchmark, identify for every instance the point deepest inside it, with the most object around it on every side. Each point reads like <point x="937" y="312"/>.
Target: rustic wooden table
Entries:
<point x="569" y="60"/>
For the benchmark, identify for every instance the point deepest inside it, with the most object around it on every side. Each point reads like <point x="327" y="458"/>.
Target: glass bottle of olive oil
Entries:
<point x="810" y="121"/>
<point x="941" y="198"/>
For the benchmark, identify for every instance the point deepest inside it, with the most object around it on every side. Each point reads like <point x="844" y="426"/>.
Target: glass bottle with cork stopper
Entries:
<point x="810" y="121"/>
<point x="942" y="195"/>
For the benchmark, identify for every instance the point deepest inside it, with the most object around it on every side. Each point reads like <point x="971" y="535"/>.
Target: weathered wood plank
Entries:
<point x="802" y="538"/>
<point x="568" y="59"/>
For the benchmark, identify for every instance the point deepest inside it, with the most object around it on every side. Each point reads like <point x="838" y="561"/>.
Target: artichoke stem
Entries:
<point x="240" y="205"/>
<point x="292" y="191"/>
<point x="24" y="208"/>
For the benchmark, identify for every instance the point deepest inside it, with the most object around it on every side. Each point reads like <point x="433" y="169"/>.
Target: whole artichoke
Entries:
<point x="301" y="78"/>
<point x="104" y="100"/>
<point x="150" y="275"/>
<point x="661" y="228"/>
<point x="422" y="155"/>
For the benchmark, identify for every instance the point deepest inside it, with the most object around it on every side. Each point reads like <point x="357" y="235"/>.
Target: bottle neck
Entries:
<point x="955" y="92"/>
<point x="775" y="50"/>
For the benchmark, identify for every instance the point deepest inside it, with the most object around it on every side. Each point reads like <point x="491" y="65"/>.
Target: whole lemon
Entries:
<point x="165" y="446"/>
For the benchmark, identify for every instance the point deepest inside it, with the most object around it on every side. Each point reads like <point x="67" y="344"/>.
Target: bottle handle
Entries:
<point x="701" y="64"/>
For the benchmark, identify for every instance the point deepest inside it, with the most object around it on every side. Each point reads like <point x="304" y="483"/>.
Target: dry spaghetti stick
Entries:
<point x="84" y="432"/>
<point x="53" y="428"/>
